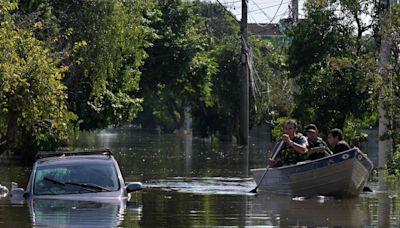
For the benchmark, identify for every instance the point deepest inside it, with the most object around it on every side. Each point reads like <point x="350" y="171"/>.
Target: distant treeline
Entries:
<point x="77" y="65"/>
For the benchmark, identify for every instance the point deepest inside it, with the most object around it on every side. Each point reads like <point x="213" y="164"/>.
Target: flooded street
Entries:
<point x="192" y="183"/>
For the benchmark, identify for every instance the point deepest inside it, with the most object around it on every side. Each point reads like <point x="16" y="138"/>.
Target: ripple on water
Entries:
<point x="205" y="185"/>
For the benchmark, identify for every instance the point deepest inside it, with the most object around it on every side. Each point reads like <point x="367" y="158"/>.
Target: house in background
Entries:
<point x="264" y="30"/>
<point x="274" y="32"/>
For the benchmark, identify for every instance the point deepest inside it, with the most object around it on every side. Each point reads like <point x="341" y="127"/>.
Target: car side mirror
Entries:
<point x="17" y="192"/>
<point x="134" y="186"/>
<point x="18" y="196"/>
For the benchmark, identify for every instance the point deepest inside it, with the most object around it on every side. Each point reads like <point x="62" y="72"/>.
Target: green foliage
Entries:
<point x="318" y="36"/>
<point x="222" y="117"/>
<point x="393" y="166"/>
<point x="277" y="131"/>
<point x="336" y="82"/>
<point x="34" y="112"/>
<point x="271" y="88"/>
<point x="104" y="76"/>
<point x="103" y="43"/>
<point x="391" y="89"/>
<point x="352" y="129"/>
<point x="178" y="72"/>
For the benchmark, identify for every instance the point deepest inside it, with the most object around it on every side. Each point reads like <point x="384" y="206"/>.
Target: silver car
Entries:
<point x="77" y="175"/>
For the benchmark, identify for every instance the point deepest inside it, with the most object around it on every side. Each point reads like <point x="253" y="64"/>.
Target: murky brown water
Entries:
<point x="192" y="183"/>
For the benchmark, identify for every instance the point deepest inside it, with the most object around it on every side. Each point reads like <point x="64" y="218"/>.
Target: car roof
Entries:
<point x="46" y="157"/>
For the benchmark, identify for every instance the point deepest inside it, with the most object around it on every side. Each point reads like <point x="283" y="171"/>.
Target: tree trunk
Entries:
<point x="28" y="148"/>
<point x="12" y="126"/>
<point x="175" y="108"/>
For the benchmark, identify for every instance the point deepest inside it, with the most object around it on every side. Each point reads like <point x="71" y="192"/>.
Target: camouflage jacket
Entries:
<point x="318" y="143"/>
<point x="288" y="155"/>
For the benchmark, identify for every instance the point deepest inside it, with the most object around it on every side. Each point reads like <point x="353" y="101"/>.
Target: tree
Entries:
<point x="104" y="76"/>
<point x="335" y="75"/>
<point x="178" y="72"/>
<point x="391" y="101"/>
<point x="271" y="89"/>
<point x="102" y="43"/>
<point x="221" y="119"/>
<point x="34" y="112"/>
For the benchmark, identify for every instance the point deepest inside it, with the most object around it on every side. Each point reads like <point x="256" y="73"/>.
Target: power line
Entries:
<point x="268" y="2"/>
<point x="267" y="7"/>
<point x="277" y="10"/>
<point x="229" y="12"/>
<point x="233" y="2"/>
<point x="232" y="6"/>
<point x="269" y="18"/>
<point x="259" y="24"/>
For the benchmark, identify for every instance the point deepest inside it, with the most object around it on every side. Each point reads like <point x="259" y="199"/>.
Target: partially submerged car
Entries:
<point x="79" y="175"/>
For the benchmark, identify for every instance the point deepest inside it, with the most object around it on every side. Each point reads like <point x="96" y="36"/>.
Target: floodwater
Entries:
<point x="193" y="183"/>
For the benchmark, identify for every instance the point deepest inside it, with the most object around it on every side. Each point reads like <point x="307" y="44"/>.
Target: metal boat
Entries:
<point x="339" y="175"/>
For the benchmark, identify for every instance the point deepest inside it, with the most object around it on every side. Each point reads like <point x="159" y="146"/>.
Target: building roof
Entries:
<point x="264" y="29"/>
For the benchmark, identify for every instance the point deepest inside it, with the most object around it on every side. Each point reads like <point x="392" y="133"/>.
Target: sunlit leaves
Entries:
<point x="108" y="40"/>
<point x="32" y="96"/>
<point x="179" y="63"/>
<point x="336" y="81"/>
<point x="391" y="88"/>
<point x="272" y="92"/>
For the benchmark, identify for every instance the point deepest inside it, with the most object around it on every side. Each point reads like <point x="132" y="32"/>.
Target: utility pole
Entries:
<point x="295" y="11"/>
<point x="384" y="145"/>
<point x="244" y="79"/>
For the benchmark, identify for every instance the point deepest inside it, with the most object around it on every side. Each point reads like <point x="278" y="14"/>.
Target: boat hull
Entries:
<point x="340" y="175"/>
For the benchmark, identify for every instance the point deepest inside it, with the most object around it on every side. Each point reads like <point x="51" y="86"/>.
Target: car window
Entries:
<point x="75" y="178"/>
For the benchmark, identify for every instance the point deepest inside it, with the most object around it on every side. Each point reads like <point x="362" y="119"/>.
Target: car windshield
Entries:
<point x="75" y="178"/>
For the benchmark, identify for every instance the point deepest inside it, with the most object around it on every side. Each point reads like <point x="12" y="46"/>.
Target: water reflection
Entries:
<point x="67" y="213"/>
<point x="278" y="210"/>
<point x="206" y="185"/>
<point x="192" y="183"/>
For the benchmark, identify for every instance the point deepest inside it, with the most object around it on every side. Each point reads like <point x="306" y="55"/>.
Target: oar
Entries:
<point x="274" y="154"/>
<point x="326" y="152"/>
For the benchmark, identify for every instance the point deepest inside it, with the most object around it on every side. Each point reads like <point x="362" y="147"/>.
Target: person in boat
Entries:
<point x="336" y="141"/>
<point x="317" y="147"/>
<point x="294" y="148"/>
